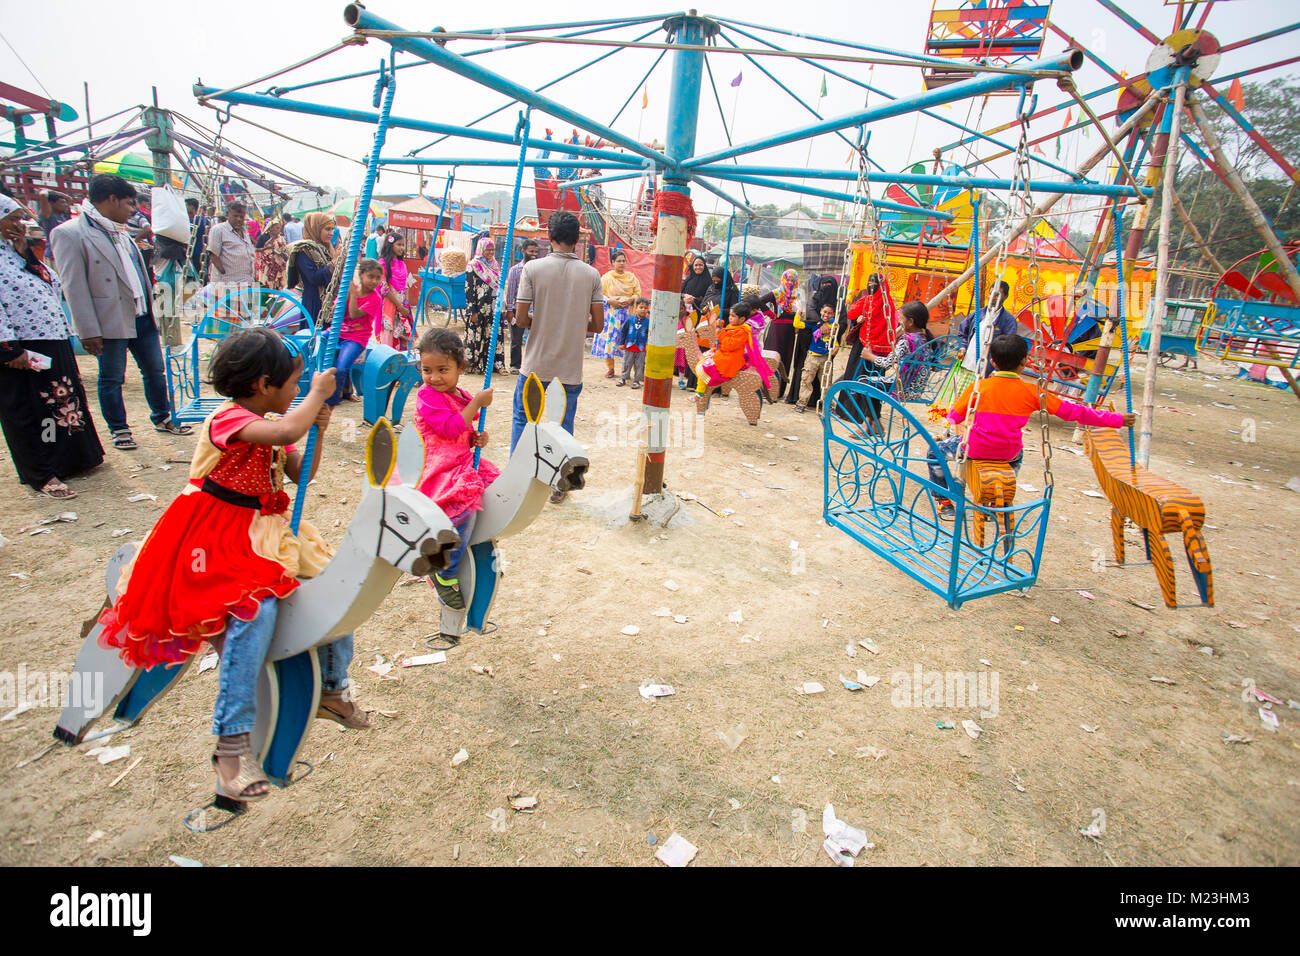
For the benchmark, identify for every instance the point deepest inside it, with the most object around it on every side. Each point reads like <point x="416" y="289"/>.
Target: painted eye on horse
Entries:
<point x="403" y="518"/>
<point x="547" y="449"/>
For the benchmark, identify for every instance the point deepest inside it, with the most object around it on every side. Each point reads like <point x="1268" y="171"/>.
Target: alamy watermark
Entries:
<point x="954" y="690"/>
<point x="679" y="429"/>
<point x="27" y="689"/>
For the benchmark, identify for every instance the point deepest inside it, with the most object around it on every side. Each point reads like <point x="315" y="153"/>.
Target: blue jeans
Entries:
<point x="147" y="352"/>
<point x="949" y="448"/>
<point x="464" y="523"/>
<point x="518" y="419"/>
<point x="343" y="362"/>
<point x="243" y="654"/>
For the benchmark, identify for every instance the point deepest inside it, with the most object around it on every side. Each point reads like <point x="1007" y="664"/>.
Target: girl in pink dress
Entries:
<point x="444" y="415"/>
<point x="395" y="328"/>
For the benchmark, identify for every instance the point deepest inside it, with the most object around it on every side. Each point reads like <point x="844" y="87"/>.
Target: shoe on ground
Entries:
<point x="449" y="592"/>
<point x="947" y="512"/>
<point x="801" y="409"/>
<point x="620" y="383"/>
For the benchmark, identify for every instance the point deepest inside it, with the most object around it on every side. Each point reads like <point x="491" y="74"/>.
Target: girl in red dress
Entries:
<point x="222" y="554"/>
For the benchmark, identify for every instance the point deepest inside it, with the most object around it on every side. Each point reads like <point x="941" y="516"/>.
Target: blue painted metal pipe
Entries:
<point x="532" y="163"/>
<point x="724" y="172"/>
<point x="490" y="362"/>
<point x="1118" y="219"/>
<point x="355" y="239"/>
<point x="921" y="58"/>
<point x="684" y="102"/>
<point x="359" y="18"/>
<point x="400" y="122"/>
<point x="623" y="21"/>
<point x="1063" y="63"/>
<point x="929" y="179"/>
<point x="612" y="178"/>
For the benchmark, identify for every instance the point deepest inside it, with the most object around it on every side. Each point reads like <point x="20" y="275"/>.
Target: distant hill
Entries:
<point x="500" y="199"/>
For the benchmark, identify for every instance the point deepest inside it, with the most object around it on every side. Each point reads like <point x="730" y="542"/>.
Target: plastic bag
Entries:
<point x="168" y="216"/>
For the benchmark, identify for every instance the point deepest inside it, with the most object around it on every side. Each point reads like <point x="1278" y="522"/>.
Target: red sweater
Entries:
<point x="879" y="330"/>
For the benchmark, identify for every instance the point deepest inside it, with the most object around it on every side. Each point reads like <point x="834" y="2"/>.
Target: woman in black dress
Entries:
<point x="43" y="408"/>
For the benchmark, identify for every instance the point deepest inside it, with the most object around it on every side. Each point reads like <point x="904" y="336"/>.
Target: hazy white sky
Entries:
<point x="124" y="47"/>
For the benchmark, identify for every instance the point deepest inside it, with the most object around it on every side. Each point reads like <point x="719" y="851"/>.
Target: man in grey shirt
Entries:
<point x="230" y="250"/>
<point x="560" y="302"/>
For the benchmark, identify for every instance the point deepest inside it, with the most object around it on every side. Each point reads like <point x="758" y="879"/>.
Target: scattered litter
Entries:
<point x="631" y="630"/>
<point x="776" y="778"/>
<point x="119" y="778"/>
<point x="1160" y="680"/>
<point x="869" y="644"/>
<point x="677" y="851"/>
<point x="380" y="666"/>
<point x="1054" y="619"/>
<point x="67" y="516"/>
<point x="1145" y="607"/>
<point x="867" y="680"/>
<point x="583" y="571"/>
<point x="663" y="612"/>
<point x="38" y="531"/>
<point x="848" y="684"/>
<point x="736" y="617"/>
<point x="1237" y="625"/>
<point x="484" y="669"/>
<point x="1090" y="493"/>
<point x="734" y="737"/>
<point x="1294" y="484"/>
<point x="461" y="756"/>
<point x="523" y="804"/>
<point x="671" y="585"/>
<point x="945" y="725"/>
<point x="121" y="531"/>
<point x="1087" y="729"/>
<point x="791" y="437"/>
<point x="680" y="618"/>
<point x="1020" y="627"/>
<point x="973" y="730"/>
<point x="20" y="709"/>
<point x="1207" y="651"/>
<point x="1087" y="594"/>
<point x="1268" y="719"/>
<point x="34" y="757"/>
<point x="649" y="691"/>
<point x="111" y="754"/>
<point x="1224" y="405"/>
<point x="651" y="839"/>
<point x="437" y="657"/>
<point x="209" y="661"/>
<point x="733" y="803"/>
<point x="843" y="842"/>
<point x="1032" y="688"/>
<point x="141" y="497"/>
<point x="849" y="650"/>
<point x="875" y="753"/>
<point x="1025" y="487"/>
<point x="1264" y="695"/>
<point x="183" y="860"/>
<point x="1115" y="632"/>
<point x="1237" y="739"/>
<point x="1097" y="828"/>
<point x="556" y="658"/>
<point x="986" y="662"/>
<point x="95" y="837"/>
<point x="812" y="687"/>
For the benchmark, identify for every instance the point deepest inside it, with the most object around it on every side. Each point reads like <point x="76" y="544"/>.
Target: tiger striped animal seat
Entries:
<point x="1157" y="506"/>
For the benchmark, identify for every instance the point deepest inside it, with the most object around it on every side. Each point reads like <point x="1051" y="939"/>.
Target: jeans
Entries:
<point x="343" y="362"/>
<point x="518" y="419"/>
<point x="243" y="654"/>
<point x="464" y="524"/>
<point x="516" y="345"/>
<point x="949" y="448"/>
<point x="147" y="352"/>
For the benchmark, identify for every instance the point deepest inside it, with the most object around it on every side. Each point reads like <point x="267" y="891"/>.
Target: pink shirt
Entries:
<point x="358" y="330"/>
<point x="449" y="476"/>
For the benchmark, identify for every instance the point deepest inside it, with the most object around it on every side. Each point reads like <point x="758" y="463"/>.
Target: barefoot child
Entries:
<point x="632" y="335"/>
<point x="444" y="415"/>
<point x="1006" y="401"/>
<point x="222" y="554"/>
<point x="364" y="312"/>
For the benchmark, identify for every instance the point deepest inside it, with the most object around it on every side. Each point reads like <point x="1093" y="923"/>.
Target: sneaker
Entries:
<point x="947" y="512"/>
<point x="449" y="592"/>
<point x="620" y="383"/>
<point x="557" y="496"/>
<point x="801" y="409"/>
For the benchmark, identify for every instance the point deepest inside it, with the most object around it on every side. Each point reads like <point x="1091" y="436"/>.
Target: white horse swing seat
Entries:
<point x="394" y="531"/>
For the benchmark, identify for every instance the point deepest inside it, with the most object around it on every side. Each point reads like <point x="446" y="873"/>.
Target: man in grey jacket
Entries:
<point x="109" y="292"/>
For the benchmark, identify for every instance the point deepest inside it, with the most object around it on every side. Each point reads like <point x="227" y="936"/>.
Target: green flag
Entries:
<point x="823" y="92"/>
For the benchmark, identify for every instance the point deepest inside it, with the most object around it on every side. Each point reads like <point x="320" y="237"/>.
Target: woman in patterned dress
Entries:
<point x="621" y="289"/>
<point x="43" y="409"/>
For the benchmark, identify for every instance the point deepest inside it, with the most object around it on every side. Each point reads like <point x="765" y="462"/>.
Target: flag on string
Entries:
<point x="645" y="98"/>
<point x="1237" y="96"/>
<point x="739" y="77"/>
<point x="823" y="92"/>
<point x="1069" y="117"/>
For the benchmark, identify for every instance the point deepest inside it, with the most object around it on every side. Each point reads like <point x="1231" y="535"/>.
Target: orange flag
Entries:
<point x="645" y="98"/>
<point x="1236" y="96"/>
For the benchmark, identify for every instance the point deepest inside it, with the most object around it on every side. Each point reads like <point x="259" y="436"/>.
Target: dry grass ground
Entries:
<point x="561" y="718"/>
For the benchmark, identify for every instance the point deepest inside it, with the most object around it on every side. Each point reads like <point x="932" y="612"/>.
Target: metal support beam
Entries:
<point x="725" y="172"/>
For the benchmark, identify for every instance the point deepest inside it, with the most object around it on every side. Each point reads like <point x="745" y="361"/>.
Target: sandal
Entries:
<point x="249" y="774"/>
<point x="123" y="440"/>
<point x="449" y="592"/>
<point x="329" y="709"/>
<point x="57" y="490"/>
<point x="171" y="428"/>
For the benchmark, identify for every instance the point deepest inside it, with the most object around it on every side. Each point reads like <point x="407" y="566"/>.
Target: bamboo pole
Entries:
<point x="1045" y="206"/>
<point x="1162" y="271"/>
<point x="1253" y="211"/>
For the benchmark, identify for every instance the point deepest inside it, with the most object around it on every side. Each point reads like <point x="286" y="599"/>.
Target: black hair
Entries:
<point x="369" y="265"/>
<point x="618" y="253"/>
<point x="445" y="341"/>
<point x="1006" y="290"/>
<point x="563" y="228"/>
<point x="388" y="256"/>
<point x="919" y="313"/>
<point x="235" y="204"/>
<point x="246" y="356"/>
<point x="1008" y="352"/>
<point x="191" y="201"/>
<point x="744" y="309"/>
<point x="528" y="242"/>
<point x="641" y="301"/>
<point x="107" y="186"/>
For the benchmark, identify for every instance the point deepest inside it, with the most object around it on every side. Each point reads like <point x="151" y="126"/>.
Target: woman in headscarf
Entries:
<point x="43" y="409"/>
<point x="481" y="281"/>
<point x="311" y="263"/>
<point x="698" y="281"/>
<point x="717" y="297"/>
<point x="271" y="255"/>
<point x="621" y="289"/>
<point x="787" y="303"/>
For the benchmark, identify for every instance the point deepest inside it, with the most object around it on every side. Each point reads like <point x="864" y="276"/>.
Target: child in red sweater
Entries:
<point x="1005" y="403"/>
